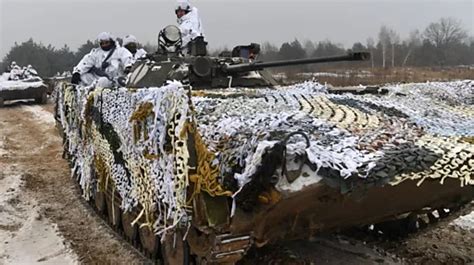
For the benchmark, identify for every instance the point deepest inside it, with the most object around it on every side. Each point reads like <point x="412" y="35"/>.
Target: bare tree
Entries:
<point x="446" y="32"/>
<point x="371" y="46"/>
<point x="384" y="40"/>
<point x="394" y="39"/>
<point x="414" y="40"/>
<point x="445" y="35"/>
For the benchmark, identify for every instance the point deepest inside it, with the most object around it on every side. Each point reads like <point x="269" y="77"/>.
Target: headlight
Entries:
<point x="171" y="34"/>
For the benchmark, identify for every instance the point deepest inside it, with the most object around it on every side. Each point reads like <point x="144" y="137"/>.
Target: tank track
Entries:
<point x="120" y="233"/>
<point x="224" y="248"/>
<point x="413" y="224"/>
<point x="102" y="208"/>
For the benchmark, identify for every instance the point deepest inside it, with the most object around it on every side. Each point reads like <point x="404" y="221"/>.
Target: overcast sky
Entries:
<point x="226" y="22"/>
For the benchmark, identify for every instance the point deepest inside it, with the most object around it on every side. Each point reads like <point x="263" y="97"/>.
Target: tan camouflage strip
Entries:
<point x="457" y="161"/>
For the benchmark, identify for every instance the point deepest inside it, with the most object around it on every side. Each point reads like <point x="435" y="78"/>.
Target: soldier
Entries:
<point x="189" y="22"/>
<point x="29" y="72"/>
<point x="131" y="43"/>
<point x="15" y="71"/>
<point x="106" y="64"/>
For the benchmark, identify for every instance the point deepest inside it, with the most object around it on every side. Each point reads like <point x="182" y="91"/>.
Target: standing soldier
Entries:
<point x="189" y="22"/>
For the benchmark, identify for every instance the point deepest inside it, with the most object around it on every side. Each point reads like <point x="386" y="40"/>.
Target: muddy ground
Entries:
<point x="44" y="220"/>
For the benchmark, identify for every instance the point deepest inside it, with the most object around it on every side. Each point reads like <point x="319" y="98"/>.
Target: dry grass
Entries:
<point x="378" y="76"/>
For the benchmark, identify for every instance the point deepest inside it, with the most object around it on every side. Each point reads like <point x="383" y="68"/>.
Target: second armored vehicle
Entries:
<point x="31" y="88"/>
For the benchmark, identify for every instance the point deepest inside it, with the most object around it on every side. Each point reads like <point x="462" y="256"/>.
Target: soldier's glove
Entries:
<point x="127" y="70"/>
<point x="76" y="78"/>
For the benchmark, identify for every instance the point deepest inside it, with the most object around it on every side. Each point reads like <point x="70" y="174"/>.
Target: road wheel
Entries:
<point x="149" y="241"/>
<point x="174" y="250"/>
<point x="100" y="203"/>
<point x="131" y="232"/>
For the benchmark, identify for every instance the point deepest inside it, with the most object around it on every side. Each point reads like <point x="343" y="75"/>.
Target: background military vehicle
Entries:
<point x="31" y="88"/>
<point x="203" y="174"/>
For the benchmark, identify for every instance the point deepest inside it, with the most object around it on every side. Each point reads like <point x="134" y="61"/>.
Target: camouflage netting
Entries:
<point x="247" y="139"/>
<point x="135" y="141"/>
<point x="417" y="131"/>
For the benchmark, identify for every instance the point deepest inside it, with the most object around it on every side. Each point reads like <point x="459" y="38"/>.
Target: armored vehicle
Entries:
<point x="31" y="88"/>
<point x="238" y="68"/>
<point x="200" y="158"/>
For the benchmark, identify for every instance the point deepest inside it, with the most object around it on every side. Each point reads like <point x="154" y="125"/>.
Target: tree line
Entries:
<point x="47" y="60"/>
<point x="442" y="43"/>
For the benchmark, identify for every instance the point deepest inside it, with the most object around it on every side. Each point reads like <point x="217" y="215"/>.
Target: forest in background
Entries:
<point x="442" y="43"/>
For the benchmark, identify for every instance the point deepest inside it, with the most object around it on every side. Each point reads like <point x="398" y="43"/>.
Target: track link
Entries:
<point x="413" y="224"/>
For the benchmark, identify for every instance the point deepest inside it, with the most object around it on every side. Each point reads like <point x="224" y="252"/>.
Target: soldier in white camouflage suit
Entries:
<point x="105" y="65"/>
<point x="130" y="42"/>
<point x="189" y="22"/>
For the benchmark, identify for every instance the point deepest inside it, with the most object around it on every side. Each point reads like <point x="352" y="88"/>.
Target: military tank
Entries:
<point x="200" y="158"/>
<point x="231" y="69"/>
<point x="30" y="88"/>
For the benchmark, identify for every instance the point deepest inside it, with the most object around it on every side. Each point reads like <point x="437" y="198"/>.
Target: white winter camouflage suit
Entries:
<point x="140" y="53"/>
<point x="190" y="26"/>
<point x="120" y="59"/>
<point x="15" y="73"/>
<point x="30" y="72"/>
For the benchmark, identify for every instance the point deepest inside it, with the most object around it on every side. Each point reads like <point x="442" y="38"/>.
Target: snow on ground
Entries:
<point x="2" y="148"/>
<point x="41" y="114"/>
<point x="346" y="74"/>
<point x="26" y="237"/>
<point x="37" y="241"/>
<point x="32" y="152"/>
<point x="465" y="222"/>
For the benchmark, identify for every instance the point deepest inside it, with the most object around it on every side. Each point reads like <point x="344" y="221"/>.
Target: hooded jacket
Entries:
<point x="190" y="26"/>
<point x="139" y="53"/>
<point x="118" y="61"/>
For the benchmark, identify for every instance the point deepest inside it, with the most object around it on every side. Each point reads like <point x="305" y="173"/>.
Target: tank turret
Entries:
<point x="195" y="67"/>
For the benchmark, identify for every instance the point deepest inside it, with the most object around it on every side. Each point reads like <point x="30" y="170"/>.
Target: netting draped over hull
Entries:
<point x="134" y="141"/>
<point x="255" y="143"/>
<point x="411" y="133"/>
<point x="442" y="108"/>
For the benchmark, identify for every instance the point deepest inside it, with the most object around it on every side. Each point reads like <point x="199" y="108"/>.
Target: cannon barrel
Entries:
<point x="244" y="67"/>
